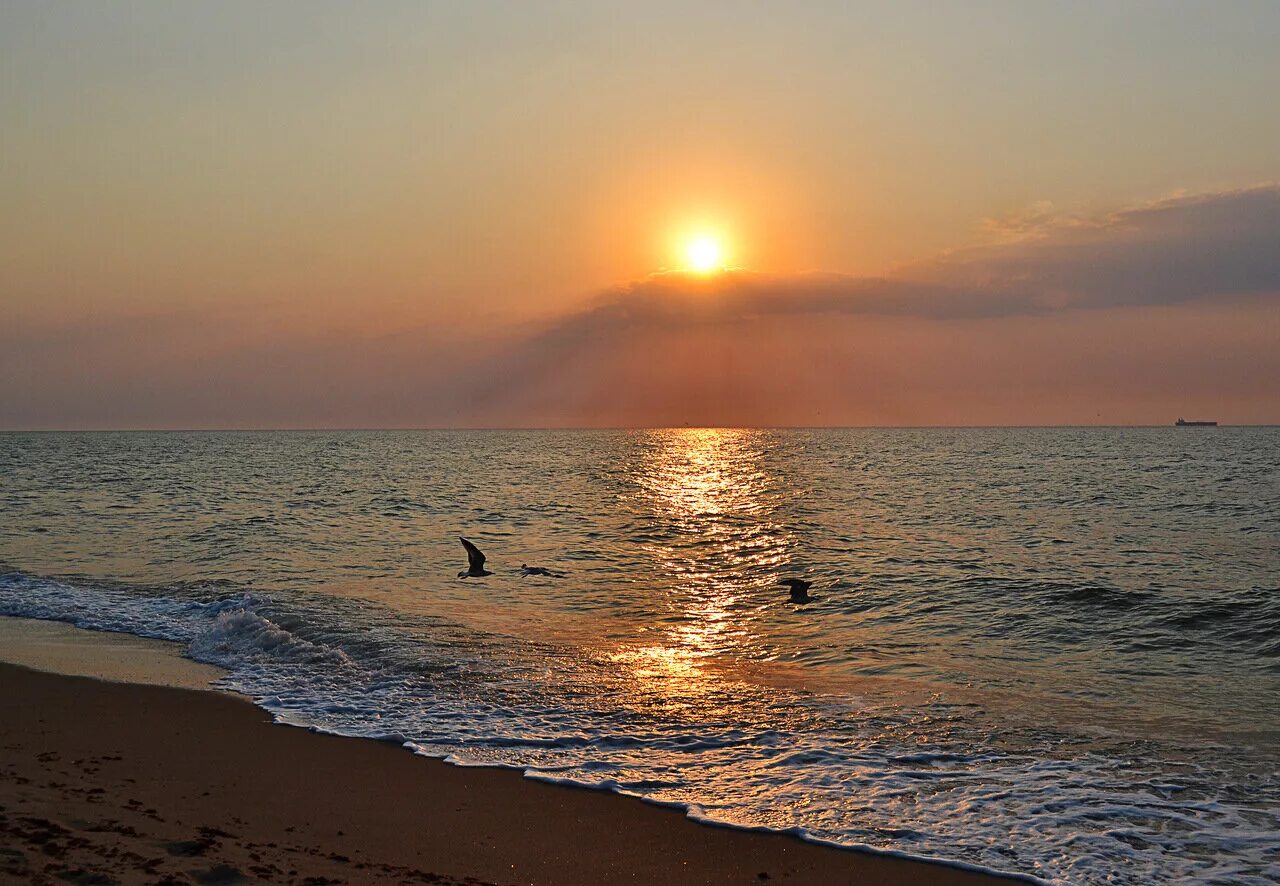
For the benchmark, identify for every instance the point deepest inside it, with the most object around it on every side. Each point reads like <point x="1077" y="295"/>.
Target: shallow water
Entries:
<point x="1047" y="651"/>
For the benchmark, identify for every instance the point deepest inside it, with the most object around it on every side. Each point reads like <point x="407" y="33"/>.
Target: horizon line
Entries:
<point x="549" y="428"/>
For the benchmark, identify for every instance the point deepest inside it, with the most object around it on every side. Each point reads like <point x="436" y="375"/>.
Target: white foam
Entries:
<point x="867" y="779"/>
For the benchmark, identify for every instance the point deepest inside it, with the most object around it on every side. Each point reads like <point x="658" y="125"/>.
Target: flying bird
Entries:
<point x="799" y="589"/>
<point x="475" y="561"/>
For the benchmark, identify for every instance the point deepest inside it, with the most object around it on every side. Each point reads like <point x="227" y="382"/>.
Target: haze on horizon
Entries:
<point x="481" y="214"/>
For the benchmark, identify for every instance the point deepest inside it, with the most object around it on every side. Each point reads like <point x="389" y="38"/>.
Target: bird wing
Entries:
<point x="475" y="559"/>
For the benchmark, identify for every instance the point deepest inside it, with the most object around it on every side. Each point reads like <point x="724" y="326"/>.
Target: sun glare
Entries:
<point x="704" y="255"/>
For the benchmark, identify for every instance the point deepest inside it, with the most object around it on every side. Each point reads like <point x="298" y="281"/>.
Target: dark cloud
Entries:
<point x="1171" y="252"/>
<point x="1169" y="304"/>
<point x="1168" y="252"/>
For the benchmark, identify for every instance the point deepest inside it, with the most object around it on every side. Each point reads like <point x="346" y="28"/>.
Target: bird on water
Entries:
<point x="799" y="589"/>
<point x="526" y="570"/>
<point x="475" y="561"/>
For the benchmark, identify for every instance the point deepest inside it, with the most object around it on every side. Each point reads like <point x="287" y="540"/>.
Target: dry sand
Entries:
<point x="112" y="782"/>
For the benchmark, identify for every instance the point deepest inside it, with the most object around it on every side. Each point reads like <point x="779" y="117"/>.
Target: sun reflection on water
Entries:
<point x="711" y="502"/>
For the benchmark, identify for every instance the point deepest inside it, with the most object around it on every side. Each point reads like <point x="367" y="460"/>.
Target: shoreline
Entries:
<point x="129" y="780"/>
<point x="56" y="647"/>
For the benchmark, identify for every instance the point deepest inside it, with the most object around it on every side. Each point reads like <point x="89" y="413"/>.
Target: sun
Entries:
<point x="704" y="255"/>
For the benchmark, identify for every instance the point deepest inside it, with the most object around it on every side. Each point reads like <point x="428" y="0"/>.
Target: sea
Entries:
<point x="1052" y="652"/>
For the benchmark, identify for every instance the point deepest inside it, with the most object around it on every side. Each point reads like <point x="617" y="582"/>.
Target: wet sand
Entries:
<point x="122" y="658"/>
<point x="116" y="782"/>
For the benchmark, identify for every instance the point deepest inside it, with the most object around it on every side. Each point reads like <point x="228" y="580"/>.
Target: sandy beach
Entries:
<point x="105" y="781"/>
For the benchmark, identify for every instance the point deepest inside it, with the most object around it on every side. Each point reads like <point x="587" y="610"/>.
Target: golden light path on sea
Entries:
<point x="710" y="485"/>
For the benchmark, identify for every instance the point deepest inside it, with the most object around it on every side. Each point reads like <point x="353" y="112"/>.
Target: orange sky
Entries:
<point x="412" y="215"/>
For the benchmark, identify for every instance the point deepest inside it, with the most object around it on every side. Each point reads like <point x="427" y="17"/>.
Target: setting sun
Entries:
<point x="704" y="254"/>
<point x="765" y="409"/>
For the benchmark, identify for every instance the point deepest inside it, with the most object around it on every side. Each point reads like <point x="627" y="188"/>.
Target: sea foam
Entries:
<point x="1050" y="806"/>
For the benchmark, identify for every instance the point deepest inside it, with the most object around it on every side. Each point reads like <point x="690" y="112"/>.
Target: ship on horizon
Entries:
<point x="1183" y="423"/>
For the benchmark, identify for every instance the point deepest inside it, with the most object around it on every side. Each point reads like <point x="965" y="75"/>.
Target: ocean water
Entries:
<point x="1053" y="652"/>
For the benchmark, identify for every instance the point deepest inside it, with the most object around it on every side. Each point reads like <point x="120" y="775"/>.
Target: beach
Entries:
<point x="1071" y="677"/>
<point x="104" y="781"/>
<point x="693" y="442"/>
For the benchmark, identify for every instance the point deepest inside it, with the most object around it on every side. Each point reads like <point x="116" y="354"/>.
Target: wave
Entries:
<point x="935" y="782"/>
<point x="1184" y="625"/>
<point x="1097" y="596"/>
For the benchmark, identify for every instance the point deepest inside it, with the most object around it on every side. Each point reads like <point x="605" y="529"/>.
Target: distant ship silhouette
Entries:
<point x="1182" y="423"/>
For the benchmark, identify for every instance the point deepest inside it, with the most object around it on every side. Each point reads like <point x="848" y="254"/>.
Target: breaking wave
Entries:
<point x="933" y="781"/>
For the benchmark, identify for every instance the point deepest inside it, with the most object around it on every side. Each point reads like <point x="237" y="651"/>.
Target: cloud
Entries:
<point x="1167" y="307"/>
<point x="1033" y="221"/>
<point x="1167" y="252"/>
<point x="1173" y="252"/>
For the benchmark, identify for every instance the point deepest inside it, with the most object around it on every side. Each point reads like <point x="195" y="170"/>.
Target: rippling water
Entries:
<point x="1046" y="651"/>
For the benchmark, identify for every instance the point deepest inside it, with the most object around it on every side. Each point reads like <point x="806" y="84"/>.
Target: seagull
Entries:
<point x="799" y="589"/>
<point x="527" y="570"/>
<point x="475" y="561"/>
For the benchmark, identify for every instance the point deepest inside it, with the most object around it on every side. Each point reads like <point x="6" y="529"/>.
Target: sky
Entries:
<point x="313" y="214"/>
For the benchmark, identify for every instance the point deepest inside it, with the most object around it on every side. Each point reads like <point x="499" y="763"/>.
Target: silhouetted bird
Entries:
<point x="799" y="589"/>
<point x="475" y="561"/>
<point x="526" y="569"/>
